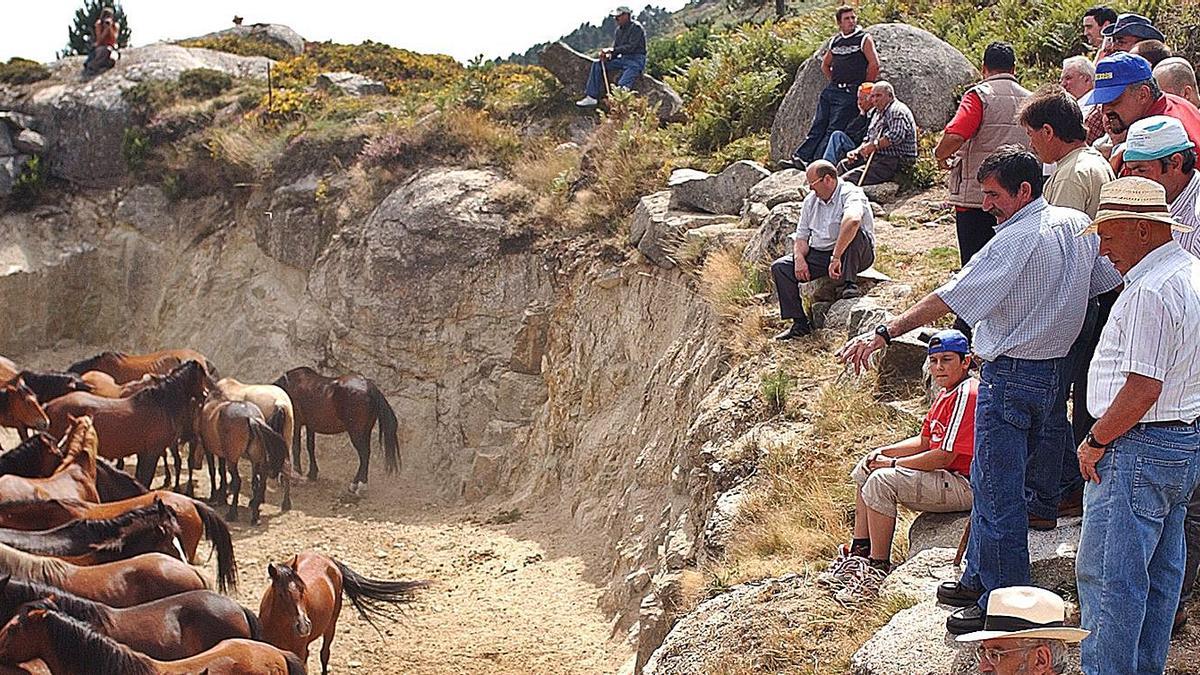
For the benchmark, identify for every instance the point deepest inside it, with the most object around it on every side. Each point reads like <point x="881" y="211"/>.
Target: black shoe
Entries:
<point x="1041" y="524"/>
<point x="965" y="620"/>
<point x="850" y="290"/>
<point x="956" y="595"/>
<point x="796" y="331"/>
<point x="1181" y="619"/>
<point x="792" y="163"/>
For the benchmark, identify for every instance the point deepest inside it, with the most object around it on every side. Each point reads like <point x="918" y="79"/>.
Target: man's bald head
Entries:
<point x="822" y="178"/>
<point x="1176" y="76"/>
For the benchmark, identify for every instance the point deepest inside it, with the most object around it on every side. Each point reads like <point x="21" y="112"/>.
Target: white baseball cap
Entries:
<point x="1155" y="137"/>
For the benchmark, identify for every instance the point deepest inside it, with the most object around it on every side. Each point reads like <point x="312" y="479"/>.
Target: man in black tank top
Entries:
<point x="849" y="61"/>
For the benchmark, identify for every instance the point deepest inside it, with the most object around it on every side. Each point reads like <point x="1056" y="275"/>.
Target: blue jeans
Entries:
<point x="631" y="68"/>
<point x="1129" y="567"/>
<point x="836" y="108"/>
<point x="1053" y="465"/>
<point x="1017" y="399"/>
<point x="839" y="144"/>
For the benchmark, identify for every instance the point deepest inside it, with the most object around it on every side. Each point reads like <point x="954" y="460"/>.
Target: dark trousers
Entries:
<point x="836" y="108"/>
<point x="883" y="168"/>
<point x="975" y="228"/>
<point x="1191" y="540"/>
<point x="858" y="256"/>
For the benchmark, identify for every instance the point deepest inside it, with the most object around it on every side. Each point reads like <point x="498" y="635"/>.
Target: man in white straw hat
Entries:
<point x="1141" y="457"/>
<point x="1025" y="632"/>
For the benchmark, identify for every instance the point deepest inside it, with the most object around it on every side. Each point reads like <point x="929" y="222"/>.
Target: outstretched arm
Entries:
<point x="857" y="351"/>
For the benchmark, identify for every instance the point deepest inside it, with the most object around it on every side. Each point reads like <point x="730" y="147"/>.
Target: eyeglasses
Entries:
<point x="993" y="656"/>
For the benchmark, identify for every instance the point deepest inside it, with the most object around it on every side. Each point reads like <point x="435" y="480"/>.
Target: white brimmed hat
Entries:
<point x="1025" y="612"/>
<point x="1156" y="137"/>
<point x="623" y="9"/>
<point x="1134" y="197"/>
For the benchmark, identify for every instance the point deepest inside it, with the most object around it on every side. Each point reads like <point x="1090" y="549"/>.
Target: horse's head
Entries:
<point x="158" y="531"/>
<point x="80" y="441"/>
<point x="44" y="456"/>
<point x="21" y="406"/>
<point x="24" y="637"/>
<point x="288" y="590"/>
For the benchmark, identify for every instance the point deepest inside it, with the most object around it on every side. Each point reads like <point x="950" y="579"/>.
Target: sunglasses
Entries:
<point x="992" y="656"/>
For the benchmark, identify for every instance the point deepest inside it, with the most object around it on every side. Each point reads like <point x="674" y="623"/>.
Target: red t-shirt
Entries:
<point x="1174" y="106"/>
<point x="968" y="117"/>
<point x="950" y="424"/>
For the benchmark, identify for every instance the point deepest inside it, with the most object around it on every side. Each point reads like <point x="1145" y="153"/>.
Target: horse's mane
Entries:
<point x="85" y="650"/>
<point x="25" y="452"/>
<point x="150" y="515"/>
<point x="169" y="392"/>
<point x="106" y="470"/>
<point x="81" y="439"/>
<point x="20" y="592"/>
<point x="22" y="503"/>
<point x="84" y="365"/>
<point x="38" y="568"/>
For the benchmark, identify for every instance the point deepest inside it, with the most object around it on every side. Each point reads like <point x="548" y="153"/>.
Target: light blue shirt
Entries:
<point x="821" y="221"/>
<point x="1025" y="293"/>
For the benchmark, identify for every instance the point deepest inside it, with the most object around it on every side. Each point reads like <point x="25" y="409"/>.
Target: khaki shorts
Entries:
<point x="938" y="491"/>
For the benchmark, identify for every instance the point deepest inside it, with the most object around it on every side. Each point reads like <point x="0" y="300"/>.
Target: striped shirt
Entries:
<point x="1152" y="332"/>
<point x="896" y="124"/>
<point x="1186" y="210"/>
<point x="1025" y="293"/>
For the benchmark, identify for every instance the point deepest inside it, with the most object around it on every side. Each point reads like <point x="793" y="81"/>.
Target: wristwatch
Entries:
<point x="882" y="331"/>
<point x="1090" y="439"/>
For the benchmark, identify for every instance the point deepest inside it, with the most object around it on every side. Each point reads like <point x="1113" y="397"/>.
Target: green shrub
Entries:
<point x="775" y="389"/>
<point x="671" y="55"/>
<point x="22" y="71"/>
<point x="241" y="45"/>
<point x="29" y="187"/>
<point x="135" y="148"/>
<point x="203" y="83"/>
<point x="148" y="97"/>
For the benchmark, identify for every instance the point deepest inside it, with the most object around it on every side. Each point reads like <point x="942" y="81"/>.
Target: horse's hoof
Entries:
<point x="287" y="505"/>
<point x="312" y="475"/>
<point x="254" y="519"/>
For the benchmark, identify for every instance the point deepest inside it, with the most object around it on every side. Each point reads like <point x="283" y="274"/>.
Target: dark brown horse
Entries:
<point x="70" y="647"/>
<point x="175" y="627"/>
<point x="230" y="429"/>
<point x="49" y="385"/>
<point x="196" y="519"/>
<point x="75" y="478"/>
<point x="143" y="424"/>
<point x="124" y="367"/>
<point x="120" y="583"/>
<point x="149" y="529"/>
<point x="19" y="407"/>
<point x="305" y="598"/>
<point x="350" y="404"/>
<point x="36" y="457"/>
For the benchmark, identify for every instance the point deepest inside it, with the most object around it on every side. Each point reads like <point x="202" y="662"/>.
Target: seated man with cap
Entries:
<point x="1025" y="631"/>
<point x="628" y="55"/>
<point x="926" y="472"/>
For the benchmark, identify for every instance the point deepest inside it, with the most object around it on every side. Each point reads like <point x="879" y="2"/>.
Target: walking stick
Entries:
<point x="962" y="544"/>
<point x="866" y="168"/>
<point x="604" y="72"/>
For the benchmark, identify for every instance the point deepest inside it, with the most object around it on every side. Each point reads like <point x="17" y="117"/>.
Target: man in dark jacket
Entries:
<point x="628" y="55"/>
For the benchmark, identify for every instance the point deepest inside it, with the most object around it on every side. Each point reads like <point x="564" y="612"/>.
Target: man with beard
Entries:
<point x="1127" y="92"/>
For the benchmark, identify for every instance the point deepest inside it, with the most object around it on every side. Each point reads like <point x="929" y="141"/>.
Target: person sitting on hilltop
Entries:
<point x="835" y="238"/>
<point x="104" y="47"/>
<point x="927" y="472"/>
<point x="891" y="142"/>
<point x="628" y="55"/>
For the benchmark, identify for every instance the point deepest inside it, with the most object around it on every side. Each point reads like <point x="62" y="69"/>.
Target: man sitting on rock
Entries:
<point x="1025" y="632"/>
<point x="891" y="141"/>
<point x="835" y="237"/>
<point x="927" y="472"/>
<point x="104" y="48"/>
<point x="842" y="142"/>
<point x="628" y="55"/>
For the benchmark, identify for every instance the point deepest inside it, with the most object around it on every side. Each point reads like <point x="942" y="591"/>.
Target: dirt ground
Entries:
<point x="510" y="598"/>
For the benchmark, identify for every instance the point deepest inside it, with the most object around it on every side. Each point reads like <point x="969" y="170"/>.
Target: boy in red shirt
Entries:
<point x="927" y="472"/>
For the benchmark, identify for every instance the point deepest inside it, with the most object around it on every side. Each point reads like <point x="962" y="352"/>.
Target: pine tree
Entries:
<point x="79" y="35"/>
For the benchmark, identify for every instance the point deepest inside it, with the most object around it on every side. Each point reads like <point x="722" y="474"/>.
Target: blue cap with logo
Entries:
<point x="949" y="340"/>
<point x="1114" y="73"/>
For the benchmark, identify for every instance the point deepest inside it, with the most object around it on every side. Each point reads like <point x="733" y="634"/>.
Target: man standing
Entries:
<point x="1026" y="293"/>
<point x="986" y="119"/>
<point x="1176" y="76"/>
<point x="1127" y="92"/>
<point x="891" y="143"/>
<point x="1158" y="148"/>
<point x="1141" y="458"/>
<point x="835" y="237"/>
<point x="841" y="142"/>
<point x="849" y="61"/>
<point x="1078" y="77"/>
<point x="628" y="55"/>
<point x="1095" y="20"/>
<point x="1052" y="119"/>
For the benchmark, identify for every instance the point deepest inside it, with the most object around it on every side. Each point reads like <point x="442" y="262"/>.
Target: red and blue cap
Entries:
<point x="1114" y="73"/>
<point x="949" y="340"/>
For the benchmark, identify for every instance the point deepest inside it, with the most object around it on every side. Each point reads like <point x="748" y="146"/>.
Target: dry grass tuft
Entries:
<point x="924" y="271"/>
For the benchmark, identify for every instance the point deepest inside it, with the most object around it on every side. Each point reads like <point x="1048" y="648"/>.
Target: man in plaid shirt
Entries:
<point x="891" y="143"/>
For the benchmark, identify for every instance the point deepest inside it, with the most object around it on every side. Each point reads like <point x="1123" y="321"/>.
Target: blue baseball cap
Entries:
<point x="1114" y="73"/>
<point x="949" y="340"/>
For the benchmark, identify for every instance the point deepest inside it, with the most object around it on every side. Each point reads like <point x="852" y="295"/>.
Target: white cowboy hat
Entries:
<point x="1134" y="197"/>
<point x="1025" y="612"/>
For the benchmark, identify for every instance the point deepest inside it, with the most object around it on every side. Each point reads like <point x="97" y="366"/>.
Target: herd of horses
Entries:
<point x="96" y="570"/>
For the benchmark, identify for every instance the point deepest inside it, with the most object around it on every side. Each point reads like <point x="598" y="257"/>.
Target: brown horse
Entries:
<point x="143" y="424"/>
<point x="70" y="647"/>
<point x="19" y="407"/>
<point x="126" y="367"/>
<point x="36" y="457"/>
<point x="150" y="529"/>
<point x="120" y="583"/>
<point x="171" y="628"/>
<point x="350" y="404"/>
<point x="305" y="598"/>
<point x="75" y="478"/>
<point x="49" y="385"/>
<point x="195" y="519"/>
<point x="230" y="429"/>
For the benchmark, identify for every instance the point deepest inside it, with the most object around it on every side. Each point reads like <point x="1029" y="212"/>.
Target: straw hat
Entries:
<point x="1025" y="612"/>
<point x="1134" y="197"/>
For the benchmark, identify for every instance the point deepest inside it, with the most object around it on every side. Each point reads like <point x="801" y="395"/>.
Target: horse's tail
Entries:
<point x="252" y="622"/>
<point x="278" y="420"/>
<point x="387" y="427"/>
<point x="369" y="595"/>
<point x="294" y="665"/>
<point x="272" y="442"/>
<point x="217" y="532"/>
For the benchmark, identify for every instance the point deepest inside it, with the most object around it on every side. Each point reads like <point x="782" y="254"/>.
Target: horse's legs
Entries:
<point x="146" y="465"/>
<point x="121" y="463"/>
<point x="296" y="446"/>
<point x="166" y="459"/>
<point x="23" y="433"/>
<point x="258" y="488"/>
<point x="235" y="486"/>
<point x="178" y="463"/>
<point x="222" y="469"/>
<point x="330" y="631"/>
<point x="312" y="454"/>
<point x="362" y="443"/>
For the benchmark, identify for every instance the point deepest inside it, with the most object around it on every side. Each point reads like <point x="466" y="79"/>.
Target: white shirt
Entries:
<point x="1152" y="332"/>
<point x="1186" y="210"/>
<point x="821" y="221"/>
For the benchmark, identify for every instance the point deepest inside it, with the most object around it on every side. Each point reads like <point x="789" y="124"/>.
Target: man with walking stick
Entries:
<point x="628" y="55"/>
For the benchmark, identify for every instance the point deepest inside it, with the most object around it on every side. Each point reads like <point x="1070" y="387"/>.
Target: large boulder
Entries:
<point x="771" y="240"/>
<point x="925" y="71"/>
<point x="83" y="122"/>
<point x="273" y="33"/>
<point x="722" y="193"/>
<point x="657" y="231"/>
<point x="789" y="185"/>
<point x="572" y="68"/>
<point x="350" y="84"/>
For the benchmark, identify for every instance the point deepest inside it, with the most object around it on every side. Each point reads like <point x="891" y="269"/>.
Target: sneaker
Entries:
<point x="586" y="102"/>
<point x="851" y="291"/>
<point x="1181" y="619"/>
<point x="956" y="595"/>
<point x="859" y="579"/>
<point x="792" y="163"/>
<point x="834" y="571"/>
<point x="965" y="620"/>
